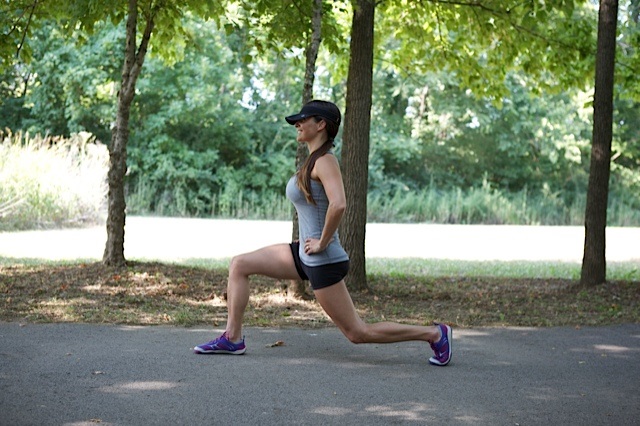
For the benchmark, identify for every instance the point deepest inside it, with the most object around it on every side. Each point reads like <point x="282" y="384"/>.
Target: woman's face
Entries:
<point x="308" y="128"/>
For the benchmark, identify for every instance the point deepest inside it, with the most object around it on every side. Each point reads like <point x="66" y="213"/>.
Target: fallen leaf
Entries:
<point x="278" y="343"/>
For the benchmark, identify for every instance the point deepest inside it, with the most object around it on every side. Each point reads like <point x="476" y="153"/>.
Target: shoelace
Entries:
<point x="216" y="341"/>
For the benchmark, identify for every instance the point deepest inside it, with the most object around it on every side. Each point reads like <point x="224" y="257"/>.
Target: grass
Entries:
<point x="616" y="271"/>
<point x="466" y="294"/>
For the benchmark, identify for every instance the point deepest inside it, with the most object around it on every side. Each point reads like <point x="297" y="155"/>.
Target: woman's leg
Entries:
<point x="274" y="261"/>
<point x="337" y="303"/>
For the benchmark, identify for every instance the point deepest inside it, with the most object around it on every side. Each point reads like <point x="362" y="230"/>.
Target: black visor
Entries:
<point x="313" y="111"/>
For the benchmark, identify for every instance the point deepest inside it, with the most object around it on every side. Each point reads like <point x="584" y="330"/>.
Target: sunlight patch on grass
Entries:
<point x="61" y="309"/>
<point x="514" y="269"/>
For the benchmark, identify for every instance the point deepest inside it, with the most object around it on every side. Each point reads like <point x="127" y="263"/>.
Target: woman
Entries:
<point x="317" y="193"/>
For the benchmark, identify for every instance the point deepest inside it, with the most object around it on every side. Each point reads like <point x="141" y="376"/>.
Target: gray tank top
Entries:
<point x="311" y="222"/>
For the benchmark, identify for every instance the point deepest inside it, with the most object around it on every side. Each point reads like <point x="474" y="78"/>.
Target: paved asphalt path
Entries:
<point x="76" y="374"/>
<point x="79" y="374"/>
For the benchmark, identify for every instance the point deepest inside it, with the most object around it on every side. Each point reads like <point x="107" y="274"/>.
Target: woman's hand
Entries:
<point x="312" y="245"/>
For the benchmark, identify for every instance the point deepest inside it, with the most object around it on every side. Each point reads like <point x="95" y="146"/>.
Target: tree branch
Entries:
<point x="128" y="79"/>
<point x="444" y="51"/>
<point x="26" y="28"/>
<point x="502" y="14"/>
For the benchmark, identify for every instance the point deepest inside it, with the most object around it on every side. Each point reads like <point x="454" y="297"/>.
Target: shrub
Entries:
<point x="48" y="182"/>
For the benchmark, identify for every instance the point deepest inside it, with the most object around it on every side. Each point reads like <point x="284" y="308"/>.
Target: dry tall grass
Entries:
<point x="50" y="182"/>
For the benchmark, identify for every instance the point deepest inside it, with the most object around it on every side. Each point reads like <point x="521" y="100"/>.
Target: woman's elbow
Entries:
<point x="339" y="207"/>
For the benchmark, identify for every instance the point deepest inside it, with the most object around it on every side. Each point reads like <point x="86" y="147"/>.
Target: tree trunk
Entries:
<point x="355" y="150"/>
<point x="594" y="260"/>
<point x="297" y="288"/>
<point x="114" y="249"/>
<point x="116" y="205"/>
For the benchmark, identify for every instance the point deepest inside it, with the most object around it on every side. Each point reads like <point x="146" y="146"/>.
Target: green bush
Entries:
<point x="486" y="205"/>
<point x="50" y="182"/>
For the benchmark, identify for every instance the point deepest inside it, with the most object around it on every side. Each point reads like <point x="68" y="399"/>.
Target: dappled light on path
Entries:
<point x="129" y="387"/>
<point x="149" y="375"/>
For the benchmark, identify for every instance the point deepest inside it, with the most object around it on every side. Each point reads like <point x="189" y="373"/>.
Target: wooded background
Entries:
<point x="485" y="99"/>
<point x="207" y="123"/>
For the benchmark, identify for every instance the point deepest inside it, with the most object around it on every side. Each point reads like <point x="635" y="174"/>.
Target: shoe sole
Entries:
<point x="219" y="351"/>
<point x="433" y="360"/>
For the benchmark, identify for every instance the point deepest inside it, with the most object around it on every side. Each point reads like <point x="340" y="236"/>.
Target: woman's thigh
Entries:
<point x="275" y="261"/>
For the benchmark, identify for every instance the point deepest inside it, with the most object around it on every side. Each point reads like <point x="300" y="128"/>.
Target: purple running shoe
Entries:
<point x="442" y="348"/>
<point x="221" y="345"/>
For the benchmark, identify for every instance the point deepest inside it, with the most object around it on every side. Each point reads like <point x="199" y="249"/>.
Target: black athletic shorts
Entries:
<point x="319" y="276"/>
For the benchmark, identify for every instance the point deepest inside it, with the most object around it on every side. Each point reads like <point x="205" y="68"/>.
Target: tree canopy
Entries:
<point x="464" y="95"/>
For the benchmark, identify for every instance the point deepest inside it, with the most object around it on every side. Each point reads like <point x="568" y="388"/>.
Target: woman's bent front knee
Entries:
<point x="240" y="265"/>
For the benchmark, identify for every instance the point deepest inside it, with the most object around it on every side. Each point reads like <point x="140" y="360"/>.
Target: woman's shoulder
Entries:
<point x="326" y="168"/>
<point x="328" y="157"/>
